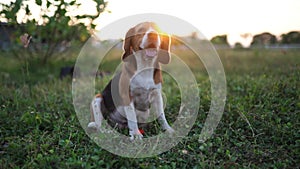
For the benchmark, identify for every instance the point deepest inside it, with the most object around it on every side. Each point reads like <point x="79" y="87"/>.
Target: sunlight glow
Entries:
<point x="215" y="17"/>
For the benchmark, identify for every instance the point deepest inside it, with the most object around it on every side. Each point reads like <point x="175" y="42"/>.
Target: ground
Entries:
<point x="259" y="128"/>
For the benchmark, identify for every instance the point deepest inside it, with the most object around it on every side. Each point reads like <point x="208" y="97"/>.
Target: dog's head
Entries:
<point x="146" y="37"/>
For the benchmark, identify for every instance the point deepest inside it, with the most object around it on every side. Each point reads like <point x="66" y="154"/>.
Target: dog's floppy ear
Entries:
<point x="164" y="55"/>
<point x="127" y="44"/>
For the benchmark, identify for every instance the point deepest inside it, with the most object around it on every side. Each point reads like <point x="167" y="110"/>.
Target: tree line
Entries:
<point x="262" y="39"/>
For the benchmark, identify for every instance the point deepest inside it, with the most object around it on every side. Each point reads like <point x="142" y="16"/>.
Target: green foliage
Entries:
<point x="220" y="40"/>
<point x="292" y="37"/>
<point x="238" y="46"/>
<point x="259" y="128"/>
<point x="57" y="24"/>
<point x="264" y="39"/>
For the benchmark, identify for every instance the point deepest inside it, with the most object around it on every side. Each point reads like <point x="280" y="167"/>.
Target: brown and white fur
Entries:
<point x="127" y="99"/>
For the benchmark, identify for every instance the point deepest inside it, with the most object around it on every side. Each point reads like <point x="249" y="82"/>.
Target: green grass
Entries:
<point x="259" y="128"/>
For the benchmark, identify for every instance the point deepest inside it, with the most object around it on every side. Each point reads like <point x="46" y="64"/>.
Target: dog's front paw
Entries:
<point x="92" y="127"/>
<point x="135" y="135"/>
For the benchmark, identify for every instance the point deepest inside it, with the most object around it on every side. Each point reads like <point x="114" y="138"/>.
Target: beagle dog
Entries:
<point x="126" y="100"/>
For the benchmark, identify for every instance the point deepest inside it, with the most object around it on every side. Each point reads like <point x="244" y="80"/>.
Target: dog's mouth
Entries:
<point x="151" y="52"/>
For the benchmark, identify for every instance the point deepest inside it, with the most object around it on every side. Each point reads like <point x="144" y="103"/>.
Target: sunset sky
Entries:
<point x="210" y="17"/>
<point x="216" y="17"/>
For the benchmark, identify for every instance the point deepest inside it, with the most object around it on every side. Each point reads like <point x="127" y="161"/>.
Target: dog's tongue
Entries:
<point x="151" y="52"/>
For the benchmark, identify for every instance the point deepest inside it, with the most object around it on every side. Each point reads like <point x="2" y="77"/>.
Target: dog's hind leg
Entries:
<point x="96" y="114"/>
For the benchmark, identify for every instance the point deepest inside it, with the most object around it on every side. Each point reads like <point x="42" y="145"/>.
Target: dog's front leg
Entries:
<point x="157" y="102"/>
<point x="132" y="122"/>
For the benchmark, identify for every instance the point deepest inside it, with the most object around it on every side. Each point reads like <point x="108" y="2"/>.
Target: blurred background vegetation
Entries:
<point x="53" y="32"/>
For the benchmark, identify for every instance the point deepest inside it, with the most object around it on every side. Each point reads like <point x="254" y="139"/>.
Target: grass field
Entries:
<point x="259" y="128"/>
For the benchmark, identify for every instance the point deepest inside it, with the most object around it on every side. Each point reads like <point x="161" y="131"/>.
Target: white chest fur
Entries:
<point x="143" y="77"/>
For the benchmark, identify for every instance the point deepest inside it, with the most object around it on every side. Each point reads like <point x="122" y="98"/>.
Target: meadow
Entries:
<point x="259" y="128"/>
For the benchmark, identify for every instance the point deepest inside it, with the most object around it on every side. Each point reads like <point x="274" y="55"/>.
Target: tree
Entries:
<point x="194" y="35"/>
<point x="264" y="39"/>
<point x="220" y="40"/>
<point x="238" y="45"/>
<point x="292" y="37"/>
<point x="57" y="23"/>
